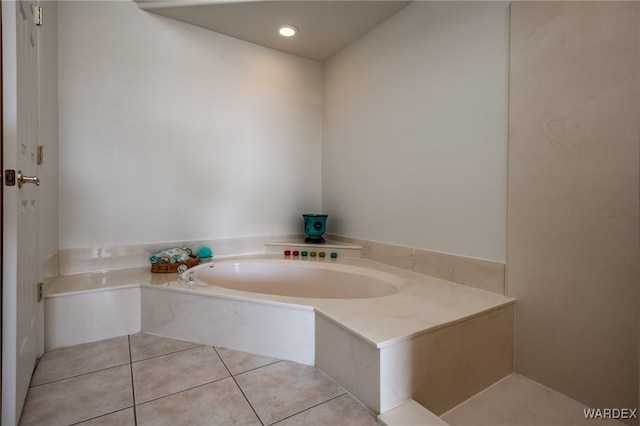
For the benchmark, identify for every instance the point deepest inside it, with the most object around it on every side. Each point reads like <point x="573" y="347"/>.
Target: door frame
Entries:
<point x="1" y="204"/>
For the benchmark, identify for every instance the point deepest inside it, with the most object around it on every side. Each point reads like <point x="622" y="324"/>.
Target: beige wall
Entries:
<point x="169" y="132"/>
<point x="572" y="257"/>
<point x="415" y="131"/>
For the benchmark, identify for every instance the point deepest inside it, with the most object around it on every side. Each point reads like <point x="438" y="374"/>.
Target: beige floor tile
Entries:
<point x="518" y="401"/>
<point x="144" y="346"/>
<point x="218" y="403"/>
<point x="285" y="388"/>
<point x="410" y="413"/>
<point x="81" y="359"/>
<point x="79" y="398"/>
<point x="167" y="374"/>
<point x="239" y="362"/>
<point x="343" y="411"/>
<point x="119" y="418"/>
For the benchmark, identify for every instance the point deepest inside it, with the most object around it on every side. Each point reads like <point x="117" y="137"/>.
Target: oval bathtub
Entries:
<point x="313" y="279"/>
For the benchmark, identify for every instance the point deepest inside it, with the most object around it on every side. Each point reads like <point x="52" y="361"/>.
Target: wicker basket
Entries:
<point x="173" y="267"/>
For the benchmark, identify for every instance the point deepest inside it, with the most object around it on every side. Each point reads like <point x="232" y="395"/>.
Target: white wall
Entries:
<point x="171" y="132"/>
<point x="415" y="130"/>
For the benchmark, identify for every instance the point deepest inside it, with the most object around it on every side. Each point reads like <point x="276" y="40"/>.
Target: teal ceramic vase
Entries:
<point x="314" y="226"/>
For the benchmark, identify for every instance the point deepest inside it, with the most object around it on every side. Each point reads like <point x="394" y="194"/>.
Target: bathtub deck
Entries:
<point x="423" y="305"/>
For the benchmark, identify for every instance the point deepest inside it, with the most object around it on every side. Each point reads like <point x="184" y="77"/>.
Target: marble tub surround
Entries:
<point x="90" y="315"/>
<point x="341" y="248"/>
<point x="103" y="279"/>
<point x="449" y="365"/>
<point x="439" y="369"/>
<point x="51" y="268"/>
<point x="90" y="259"/>
<point x="422" y="303"/>
<point x="479" y="273"/>
<point x="51" y="271"/>
<point x="252" y="325"/>
<point x="88" y="307"/>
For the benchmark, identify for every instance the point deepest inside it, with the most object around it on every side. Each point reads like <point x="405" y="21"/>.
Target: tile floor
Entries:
<point x="148" y="380"/>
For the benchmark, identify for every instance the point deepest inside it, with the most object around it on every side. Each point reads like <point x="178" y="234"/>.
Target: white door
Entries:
<point x="22" y="312"/>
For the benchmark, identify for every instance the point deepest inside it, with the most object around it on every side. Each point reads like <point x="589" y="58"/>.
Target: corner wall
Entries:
<point x="574" y="173"/>
<point x="169" y="132"/>
<point x="415" y="131"/>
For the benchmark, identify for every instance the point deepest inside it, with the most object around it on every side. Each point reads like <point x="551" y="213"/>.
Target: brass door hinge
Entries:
<point x="37" y="15"/>
<point x="40" y="292"/>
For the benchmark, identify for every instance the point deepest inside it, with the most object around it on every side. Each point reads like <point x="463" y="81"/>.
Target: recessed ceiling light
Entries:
<point x="287" y="30"/>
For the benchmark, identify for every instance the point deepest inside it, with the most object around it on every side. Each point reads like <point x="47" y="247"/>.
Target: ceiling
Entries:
<point x="325" y="26"/>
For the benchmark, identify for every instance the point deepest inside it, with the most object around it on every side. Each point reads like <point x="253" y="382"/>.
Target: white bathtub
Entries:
<point x="299" y="278"/>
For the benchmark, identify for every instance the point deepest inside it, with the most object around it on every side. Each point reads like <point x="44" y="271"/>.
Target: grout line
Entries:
<point x="308" y="408"/>
<point x="78" y="375"/>
<point x="103" y="415"/>
<point x="239" y="388"/>
<point x="184" y="390"/>
<point x="133" y="386"/>
<point x="168" y="353"/>
<point x="253" y="369"/>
